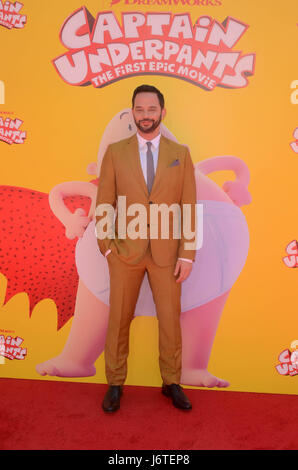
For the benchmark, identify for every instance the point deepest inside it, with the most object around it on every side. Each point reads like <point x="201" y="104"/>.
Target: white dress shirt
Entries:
<point x="143" y="157"/>
<point x="143" y="152"/>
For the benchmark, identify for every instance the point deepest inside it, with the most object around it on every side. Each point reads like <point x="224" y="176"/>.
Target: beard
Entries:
<point x="148" y="128"/>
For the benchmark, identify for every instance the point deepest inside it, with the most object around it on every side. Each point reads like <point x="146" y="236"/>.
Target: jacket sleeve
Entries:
<point x="106" y="194"/>
<point x="188" y="213"/>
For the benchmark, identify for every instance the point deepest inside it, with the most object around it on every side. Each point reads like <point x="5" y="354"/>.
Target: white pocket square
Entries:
<point x="175" y="162"/>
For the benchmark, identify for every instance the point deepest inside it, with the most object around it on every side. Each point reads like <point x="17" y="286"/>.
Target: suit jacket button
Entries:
<point x="148" y="225"/>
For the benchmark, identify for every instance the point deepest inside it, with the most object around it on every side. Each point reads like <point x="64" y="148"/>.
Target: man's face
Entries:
<point x="147" y="112"/>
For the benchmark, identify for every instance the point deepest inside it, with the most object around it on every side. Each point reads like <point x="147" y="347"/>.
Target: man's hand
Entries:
<point x="183" y="268"/>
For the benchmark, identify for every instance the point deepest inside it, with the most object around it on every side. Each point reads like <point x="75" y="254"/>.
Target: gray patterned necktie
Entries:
<point x="150" y="167"/>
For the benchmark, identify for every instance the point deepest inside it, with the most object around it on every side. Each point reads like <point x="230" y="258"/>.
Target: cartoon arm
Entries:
<point x="75" y="223"/>
<point x="236" y="190"/>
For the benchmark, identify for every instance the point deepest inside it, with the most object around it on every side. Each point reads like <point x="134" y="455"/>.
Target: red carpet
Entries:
<point x="51" y="415"/>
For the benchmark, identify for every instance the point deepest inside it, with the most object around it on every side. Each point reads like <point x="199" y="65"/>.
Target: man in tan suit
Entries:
<point x="144" y="172"/>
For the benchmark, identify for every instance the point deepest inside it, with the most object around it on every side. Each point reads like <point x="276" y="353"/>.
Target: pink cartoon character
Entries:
<point x="218" y="264"/>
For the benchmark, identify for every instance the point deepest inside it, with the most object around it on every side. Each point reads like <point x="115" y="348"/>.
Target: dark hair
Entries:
<point x="149" y="89"/>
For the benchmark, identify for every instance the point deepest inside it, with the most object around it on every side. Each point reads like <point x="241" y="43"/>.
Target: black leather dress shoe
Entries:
<point x="179" y="398"/>
<point x="111" y="401"/>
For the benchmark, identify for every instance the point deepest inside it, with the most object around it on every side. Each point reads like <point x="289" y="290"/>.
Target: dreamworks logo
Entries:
<point x="190" y="3"/>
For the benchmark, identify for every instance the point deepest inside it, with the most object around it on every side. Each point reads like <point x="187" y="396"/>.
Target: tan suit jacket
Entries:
<point x="121" y="175"/>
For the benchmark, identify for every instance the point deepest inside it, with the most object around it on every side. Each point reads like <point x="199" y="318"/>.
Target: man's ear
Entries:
<point x="163" y="113"/>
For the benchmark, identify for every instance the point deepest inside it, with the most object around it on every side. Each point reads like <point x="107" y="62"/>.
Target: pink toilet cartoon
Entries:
<point x="219" y="263"/>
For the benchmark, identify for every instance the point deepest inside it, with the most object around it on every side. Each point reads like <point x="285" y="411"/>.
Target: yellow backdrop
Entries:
<point x="256" y="123"/>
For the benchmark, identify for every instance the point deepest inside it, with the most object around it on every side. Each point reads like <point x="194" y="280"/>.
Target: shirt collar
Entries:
<point x="143" y="142"/>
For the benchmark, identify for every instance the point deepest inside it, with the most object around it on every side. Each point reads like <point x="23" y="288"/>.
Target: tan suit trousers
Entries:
<point x="125" y="283"/>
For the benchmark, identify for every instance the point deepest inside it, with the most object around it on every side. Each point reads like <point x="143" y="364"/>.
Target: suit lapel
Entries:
<point x="164" y="159"/>
<point x="135" y="163"/>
